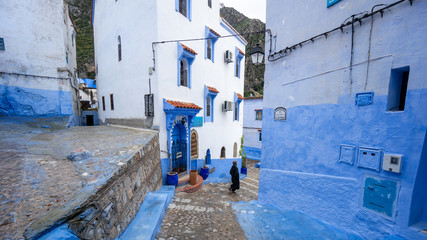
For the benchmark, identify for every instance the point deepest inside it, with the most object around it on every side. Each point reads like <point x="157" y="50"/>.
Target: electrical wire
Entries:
<point x="354" y="19"/>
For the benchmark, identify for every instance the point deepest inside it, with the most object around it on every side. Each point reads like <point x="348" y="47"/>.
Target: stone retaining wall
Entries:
<point x="107" y="211"/>
<point x="116" y="204"/>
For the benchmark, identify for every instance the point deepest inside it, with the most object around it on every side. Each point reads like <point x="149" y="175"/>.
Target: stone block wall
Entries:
<point x="107" y="214"/>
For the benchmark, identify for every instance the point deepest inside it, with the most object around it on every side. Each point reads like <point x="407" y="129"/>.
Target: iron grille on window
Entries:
<point x="183" y="7"/>
<point x="2" y="44"/>
<point x="149" y="105"/>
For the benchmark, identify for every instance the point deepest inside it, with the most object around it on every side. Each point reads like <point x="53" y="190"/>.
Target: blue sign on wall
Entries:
<point x="332" y="2"/>
<point x="198" y="122"/>
<point x="364" y="98"/>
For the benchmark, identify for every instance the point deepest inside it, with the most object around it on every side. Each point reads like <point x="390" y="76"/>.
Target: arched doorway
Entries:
<point x="222" y="152"/>
<point x="179" y="148"/>
<point x="235" y="150"/>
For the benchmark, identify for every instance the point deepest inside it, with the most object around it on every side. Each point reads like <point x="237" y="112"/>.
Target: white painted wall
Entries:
<point x="140" y="24"/>
<point x="127" y="80"/>
<point x="37" y="36"/>
<point x="250" y="124"/>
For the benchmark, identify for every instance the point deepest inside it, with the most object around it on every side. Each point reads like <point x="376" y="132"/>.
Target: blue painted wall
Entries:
<point x="95" y="117"/>
<point x="318" y="88"/>
<point x="253" y="153"/>
<point x="17" y="101"/>
<point x="222" y="166"/>
<point x="251" y="128"/>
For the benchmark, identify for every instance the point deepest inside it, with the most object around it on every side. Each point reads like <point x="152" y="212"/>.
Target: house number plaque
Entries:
<point x="280" y="114"/>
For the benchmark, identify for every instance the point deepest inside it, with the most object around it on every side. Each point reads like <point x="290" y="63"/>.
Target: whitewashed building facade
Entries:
<point x="37" y="60"/>
<point x="143" y="56"/>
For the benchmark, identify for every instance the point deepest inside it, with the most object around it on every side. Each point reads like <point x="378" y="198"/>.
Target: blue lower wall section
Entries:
<point x="301" y="169"/>
<point x="222" y="167"/>
<point x="253" y="153"/>
<point x="17" y="101"/>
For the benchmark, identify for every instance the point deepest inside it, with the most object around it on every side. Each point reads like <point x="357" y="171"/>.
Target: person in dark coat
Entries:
<point x="234" y="172"/>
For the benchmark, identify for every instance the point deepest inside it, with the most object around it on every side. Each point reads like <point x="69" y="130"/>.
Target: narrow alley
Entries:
<point x="208" y="213"/>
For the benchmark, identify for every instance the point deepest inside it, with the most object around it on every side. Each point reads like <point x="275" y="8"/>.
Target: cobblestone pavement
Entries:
<point x="207" y="213"/>
<point x="36" y="177"/>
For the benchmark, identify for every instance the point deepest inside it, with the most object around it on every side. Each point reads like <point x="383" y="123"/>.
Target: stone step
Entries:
<point x="253" y="180"/>
<point x="183" y="180"/>
<point x="148" y="220"/>
<point x="188" y="188"/>
<point x="255" y="186"/>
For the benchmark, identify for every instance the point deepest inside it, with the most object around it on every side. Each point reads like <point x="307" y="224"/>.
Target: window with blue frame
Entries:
<point x="237" y="100"/>
<point x="260" y="135"/>
<point x="331" y="2"/>
<point x="258" y="114"/>
<point x="186" y="58"/>
<point x="210" y="94"/>
<point x="211" y="38"/>
<point x="239" y="56"/>
<point x="184" y="7"/>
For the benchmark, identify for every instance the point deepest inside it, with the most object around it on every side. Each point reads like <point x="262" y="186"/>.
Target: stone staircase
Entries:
<point x="148" y="220"/>
<point x="185" y="186"/>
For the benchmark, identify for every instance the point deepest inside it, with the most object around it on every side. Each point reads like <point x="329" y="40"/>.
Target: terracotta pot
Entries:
<point x="193" y="177"/>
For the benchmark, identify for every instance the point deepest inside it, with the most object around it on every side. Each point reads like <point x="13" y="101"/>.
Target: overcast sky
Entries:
<point x="250" y="8"/>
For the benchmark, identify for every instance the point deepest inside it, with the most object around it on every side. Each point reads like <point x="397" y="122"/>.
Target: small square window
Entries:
<point x="258" y="114"/>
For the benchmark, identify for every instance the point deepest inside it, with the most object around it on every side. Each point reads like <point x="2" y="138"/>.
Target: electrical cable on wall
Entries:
<point x="202" y="39"/>
<point x="354" y="19"/>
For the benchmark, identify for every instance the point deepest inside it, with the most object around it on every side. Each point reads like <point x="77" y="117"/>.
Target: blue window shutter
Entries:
<point x="2" y="44"/>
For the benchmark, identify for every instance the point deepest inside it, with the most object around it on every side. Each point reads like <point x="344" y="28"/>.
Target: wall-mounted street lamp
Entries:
<point x="257" y="54"/>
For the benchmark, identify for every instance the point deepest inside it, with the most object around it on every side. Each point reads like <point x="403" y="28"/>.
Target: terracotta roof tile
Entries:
<point x="214" y="32"/>
<point x="239" y="96"/>
<point x="183" y="104"/>
<point x="241" y="51"/>
<point x="188" y="49"/>
<point x="212" y="89"/>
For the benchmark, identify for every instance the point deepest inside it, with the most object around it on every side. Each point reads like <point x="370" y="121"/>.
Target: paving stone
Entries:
<point x="208" y="213"/>
<point x="36" y="177"/>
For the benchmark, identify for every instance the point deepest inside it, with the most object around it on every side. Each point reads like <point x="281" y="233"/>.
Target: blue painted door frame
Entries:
<point x="182" y="119"/>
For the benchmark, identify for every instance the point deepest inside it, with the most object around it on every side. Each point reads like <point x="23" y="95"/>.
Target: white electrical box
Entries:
<point x="392" y="162"/>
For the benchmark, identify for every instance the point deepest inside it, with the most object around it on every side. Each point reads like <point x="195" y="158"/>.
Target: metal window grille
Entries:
<point x="2" y="44"/>
<point x="112" y="102"/>
<point x="208" y="107"/>
<point x="149" y="105"/>
<point x="183" y="7"/>
<point x="209" y="49"/>
<point x="103" y="103"/>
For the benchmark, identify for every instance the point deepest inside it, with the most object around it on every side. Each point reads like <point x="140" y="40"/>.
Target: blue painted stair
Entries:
<point x="148" y="220"/>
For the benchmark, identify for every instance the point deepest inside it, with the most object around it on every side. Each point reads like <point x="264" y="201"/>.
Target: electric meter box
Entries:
<point x="392" y="162"/>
